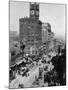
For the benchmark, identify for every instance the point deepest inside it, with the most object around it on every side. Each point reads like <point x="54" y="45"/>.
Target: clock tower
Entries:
<point x="34" y="10"/>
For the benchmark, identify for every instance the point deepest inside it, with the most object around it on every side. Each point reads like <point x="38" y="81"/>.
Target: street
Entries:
<point x="26" y="81"/>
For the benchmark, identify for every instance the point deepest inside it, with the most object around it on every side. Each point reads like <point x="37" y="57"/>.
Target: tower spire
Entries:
<point x="34" y="10"/>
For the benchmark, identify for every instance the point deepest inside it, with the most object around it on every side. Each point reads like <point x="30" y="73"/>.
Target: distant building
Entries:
<point x="57" y="43"/>
<point x="47" y="34"/>
<point x="13" y="35"/>
<point x="31" y="29"/>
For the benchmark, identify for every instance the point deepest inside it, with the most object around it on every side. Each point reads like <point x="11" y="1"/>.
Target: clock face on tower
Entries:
<point x="32" y="12"/>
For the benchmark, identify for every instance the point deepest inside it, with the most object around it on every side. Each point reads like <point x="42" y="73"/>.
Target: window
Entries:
<point x="37" y="7"/>
<point x="33" y="52"/>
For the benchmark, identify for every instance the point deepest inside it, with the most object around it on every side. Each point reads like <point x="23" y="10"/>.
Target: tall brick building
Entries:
<point x="31" y="30"/>
<point x="47" y="34"/>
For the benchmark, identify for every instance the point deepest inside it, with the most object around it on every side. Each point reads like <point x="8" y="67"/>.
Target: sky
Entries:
<point x="51" y="13"/>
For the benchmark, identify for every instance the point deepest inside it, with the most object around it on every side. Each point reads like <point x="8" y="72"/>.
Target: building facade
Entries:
<point x="31" y="29"/>
<point x="47" y="34"/>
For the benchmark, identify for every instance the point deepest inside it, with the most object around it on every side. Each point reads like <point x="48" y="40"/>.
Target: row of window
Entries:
<point x="34" y="52"/>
